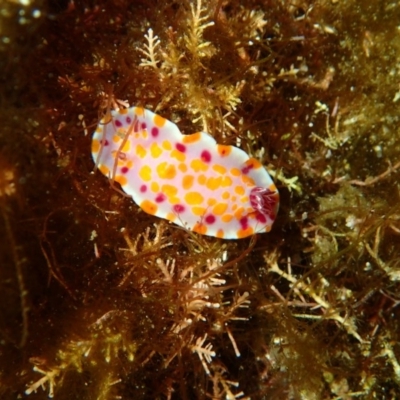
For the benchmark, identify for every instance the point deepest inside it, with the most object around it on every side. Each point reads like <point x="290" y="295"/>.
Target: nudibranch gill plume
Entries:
<point x="209" y="188"/>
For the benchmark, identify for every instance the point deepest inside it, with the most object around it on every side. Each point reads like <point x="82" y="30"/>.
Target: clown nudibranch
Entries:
<point x="209" y="188"/>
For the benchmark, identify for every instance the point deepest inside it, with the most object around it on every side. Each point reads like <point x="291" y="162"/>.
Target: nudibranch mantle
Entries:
<point x="213" y="189"/>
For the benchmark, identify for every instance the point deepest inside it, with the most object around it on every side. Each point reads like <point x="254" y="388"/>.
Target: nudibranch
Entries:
<point x="213" y="189"/>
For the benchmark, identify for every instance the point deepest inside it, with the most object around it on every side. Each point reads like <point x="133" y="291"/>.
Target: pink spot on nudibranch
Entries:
<point x="244" y="222"/>
<point x="179" y="208"/>
<point x="106" y="142"/>
<point x="246" y="170"/>
<point x="209" y="219"/>
<point x="143" y="188"/>
<point x="128" y="120"/>
<point x="144" y="126"/>
<point x="154" y="131"/>
<point x="124" y="170"/>
<point x="261" y="218"/>
<point x="160" y="198"/>
<point x="205" y="156"/>
<point x="118" y="123"/>
<point x="180" y="147"/>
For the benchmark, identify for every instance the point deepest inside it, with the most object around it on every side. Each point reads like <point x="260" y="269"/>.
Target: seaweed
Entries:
<point x="100" y="300"/>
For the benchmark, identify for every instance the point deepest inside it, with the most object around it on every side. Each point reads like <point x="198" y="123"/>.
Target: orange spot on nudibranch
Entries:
<point x="252" y="163"/>
<point x="141" y="151"/>
<point x="227" y="218"/>
<point x="95" y="146"/>
<point x="219" y="168"/>
<point x="182" y="167"/>
<point x="202" y="179"/>
<point x="242" y="233"/>
<point x="200" y="228"/>
<point x="198" y="165"/>
<point x="199" y="211"/>
<point x="272" y="188"/>
<point x="121" y="180"/>
<point x="226" y="195"/>
<point x="223" y="150"/>
<point x="236" y="172"/>
<point x="149" y="207"/>
<point x="248" y="181"/>
<point x="155" y="187"/>
<point x="220" y="233"/>
<point x="193" y="198"/>
<point x="159" y="121"/>
<point x="171" y="217"/>
<point x="220" y="208"/>
<point x="145" y="173"/>
<point x="166" y="145"/>
<point x="213" y="183"/>
<point x="193" y="138"/>
<point x="239" y="190"/>
<point x="268" y="228"/>
<point x="239" y="213"/>
<point x="174" y="200"/>
<point x="178" y="155"/>
<point x="104" y="169"/>
<point x="126" y="147"/>
<point x="106" y="119"/>
<point x="155" y="150"/>
<point x="226" y="181"/>
<point x="169" y="190"/>
<point x="139" y="111"/>
<point x="116" y="138"/>
<point x="166" y="171"/>
<point x="187" y="181"/>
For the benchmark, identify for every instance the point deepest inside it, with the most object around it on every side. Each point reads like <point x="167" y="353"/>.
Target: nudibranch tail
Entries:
<point x="213" y="189"/>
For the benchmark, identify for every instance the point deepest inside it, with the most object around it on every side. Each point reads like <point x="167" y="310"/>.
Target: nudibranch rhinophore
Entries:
<point x="209" y="188"/>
